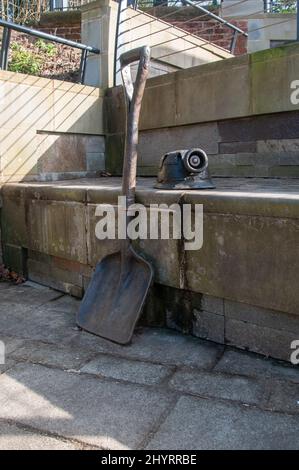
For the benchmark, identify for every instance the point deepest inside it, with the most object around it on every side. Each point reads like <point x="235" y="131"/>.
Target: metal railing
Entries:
<point x="202" y="6"/>
<point x="145" y="29"/>
<point x="8" y="26"/>
<point x="280" y="6"/>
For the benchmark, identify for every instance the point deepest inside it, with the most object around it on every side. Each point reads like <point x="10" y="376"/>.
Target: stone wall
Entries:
<point x="238" y="110"/>
<point x="49" y="129"/>
<point x="240" y="288"/>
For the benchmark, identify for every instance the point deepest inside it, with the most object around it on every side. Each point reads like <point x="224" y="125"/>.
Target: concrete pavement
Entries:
<point x="62" y="388"/>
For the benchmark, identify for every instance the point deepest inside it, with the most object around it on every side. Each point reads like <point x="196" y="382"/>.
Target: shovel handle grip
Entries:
<point x="141" y="54"/>
<point x="134" y="55"/>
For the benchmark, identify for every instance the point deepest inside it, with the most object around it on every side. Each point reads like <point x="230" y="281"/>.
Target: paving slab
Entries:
<point x="243" y="363"/>
<point x="10" y="343"/>
<point x="9" y="363"/>
<point x="16" y="438"/>
<point x="64" y="304"/>
<point x="284" y="397"/>
<point x="27" y="294"/>
<point x="52" y="355"/>
<point x="156" y="345"/>
<point x="218" y="385"/>
<point x="36" y="322"/>
<point x="206" y="424"/>
<point x="124" y="369"/>
<point x="95" y="411"/>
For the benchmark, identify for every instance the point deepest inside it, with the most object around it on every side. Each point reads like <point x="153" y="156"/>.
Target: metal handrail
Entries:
<point x="217" y="18"/>
<point x="8" y="26"/>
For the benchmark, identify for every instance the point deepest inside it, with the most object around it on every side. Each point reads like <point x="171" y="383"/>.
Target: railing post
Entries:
<point x="5" y="48"/>
<point x="233" y="42"/>
<point x="297" y="20"/>
<point x="83" y="66"/>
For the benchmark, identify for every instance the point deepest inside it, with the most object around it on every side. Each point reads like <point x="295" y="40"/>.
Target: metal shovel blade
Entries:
<point x="114" y="299"/>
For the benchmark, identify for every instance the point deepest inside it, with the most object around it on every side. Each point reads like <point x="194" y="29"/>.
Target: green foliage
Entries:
<point x="46" y="47"/>
<point x="24" y="61"/>
<point x="28" y="61"/>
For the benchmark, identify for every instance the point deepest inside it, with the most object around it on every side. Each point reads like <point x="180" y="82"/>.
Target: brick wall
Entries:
<point x="193" y="21"/>
<point x="64" y="24"/>
<point x="213" y="31"/>
<point x="68" y="25"/>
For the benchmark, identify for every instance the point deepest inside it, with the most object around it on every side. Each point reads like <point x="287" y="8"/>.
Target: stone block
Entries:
<point x="153" y="144"/>
<point x="13" y="218"/>
<point x="267" y="341"/>
<point x="266" y="127"/>
<point x="97" y="249"/>
<point x="241" y="363"/>
<point x="15" y="258"/>
<point x="212" y="304"/>
<point x="61" y="153"/>
<point x="124" y="370"/>
<point x="52" y="402"/>
<point x="229" y="263"/>
<point x="57" y="278"/>
<point x="284" y="397"/>
<point x="51" y="355"/>
<point x="14" y="437"/>
<point x="160" y="346"/>
<point x="225" y="387"/>
<point x="227" y="426"/>
<point x="57" y="229"/>
<point x="209" y="326"/>
<point x="95" y="161"/>
<point x="237" y="147"/>
<point x="261" y="316"/>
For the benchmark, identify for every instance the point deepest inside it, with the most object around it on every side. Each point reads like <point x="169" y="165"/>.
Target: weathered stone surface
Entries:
<point x="130" y="371"/>
<point x="97" y="249"/>
<point x="98" y="412"/>
<point x="51" y="355"/>
<point x="156" y="345"/>
<point x="95" y="161"/>
<point x="261" y="316"/>
<point x="14" y="258"/>
<point x="9" y="363"/>
<point x="237" y="147"/>
<point x="284" y="397"/>
<point x="56" y="228"/>
<point x="22" y="321"/>
<point x="24" y="295"/>
<point x="17" y="438"/>
<point x="205" y="424"/>
<point x="212" y="304"/>
<point x="260" y="339"/>
<point x="268" y="127"/>
<point x="229" y="264"/>
<point x="153" y="144"/>
<point x="11" y="343"/>
<point x="205" y="384"/>
<point x="238" y="362"/>
<point x="64" y="304"/>
<point x="208" y="325"/>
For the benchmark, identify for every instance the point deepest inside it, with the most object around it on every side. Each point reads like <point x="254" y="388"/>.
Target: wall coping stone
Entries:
<point x="244" y="196"/>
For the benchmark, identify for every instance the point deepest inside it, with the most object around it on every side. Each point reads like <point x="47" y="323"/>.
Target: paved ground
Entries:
<point x="61" y="388"/>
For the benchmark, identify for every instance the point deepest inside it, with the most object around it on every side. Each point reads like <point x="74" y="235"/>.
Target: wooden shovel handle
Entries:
<point x="134" y="95"/>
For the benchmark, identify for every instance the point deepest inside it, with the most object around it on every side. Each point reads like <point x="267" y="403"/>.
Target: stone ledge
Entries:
<point x="245" y="196"/>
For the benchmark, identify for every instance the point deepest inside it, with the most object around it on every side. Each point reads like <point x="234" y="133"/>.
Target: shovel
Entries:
<point x="115" y="296"/>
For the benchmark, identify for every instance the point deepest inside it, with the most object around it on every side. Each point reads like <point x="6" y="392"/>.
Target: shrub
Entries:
<point x="24" y="61"/>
